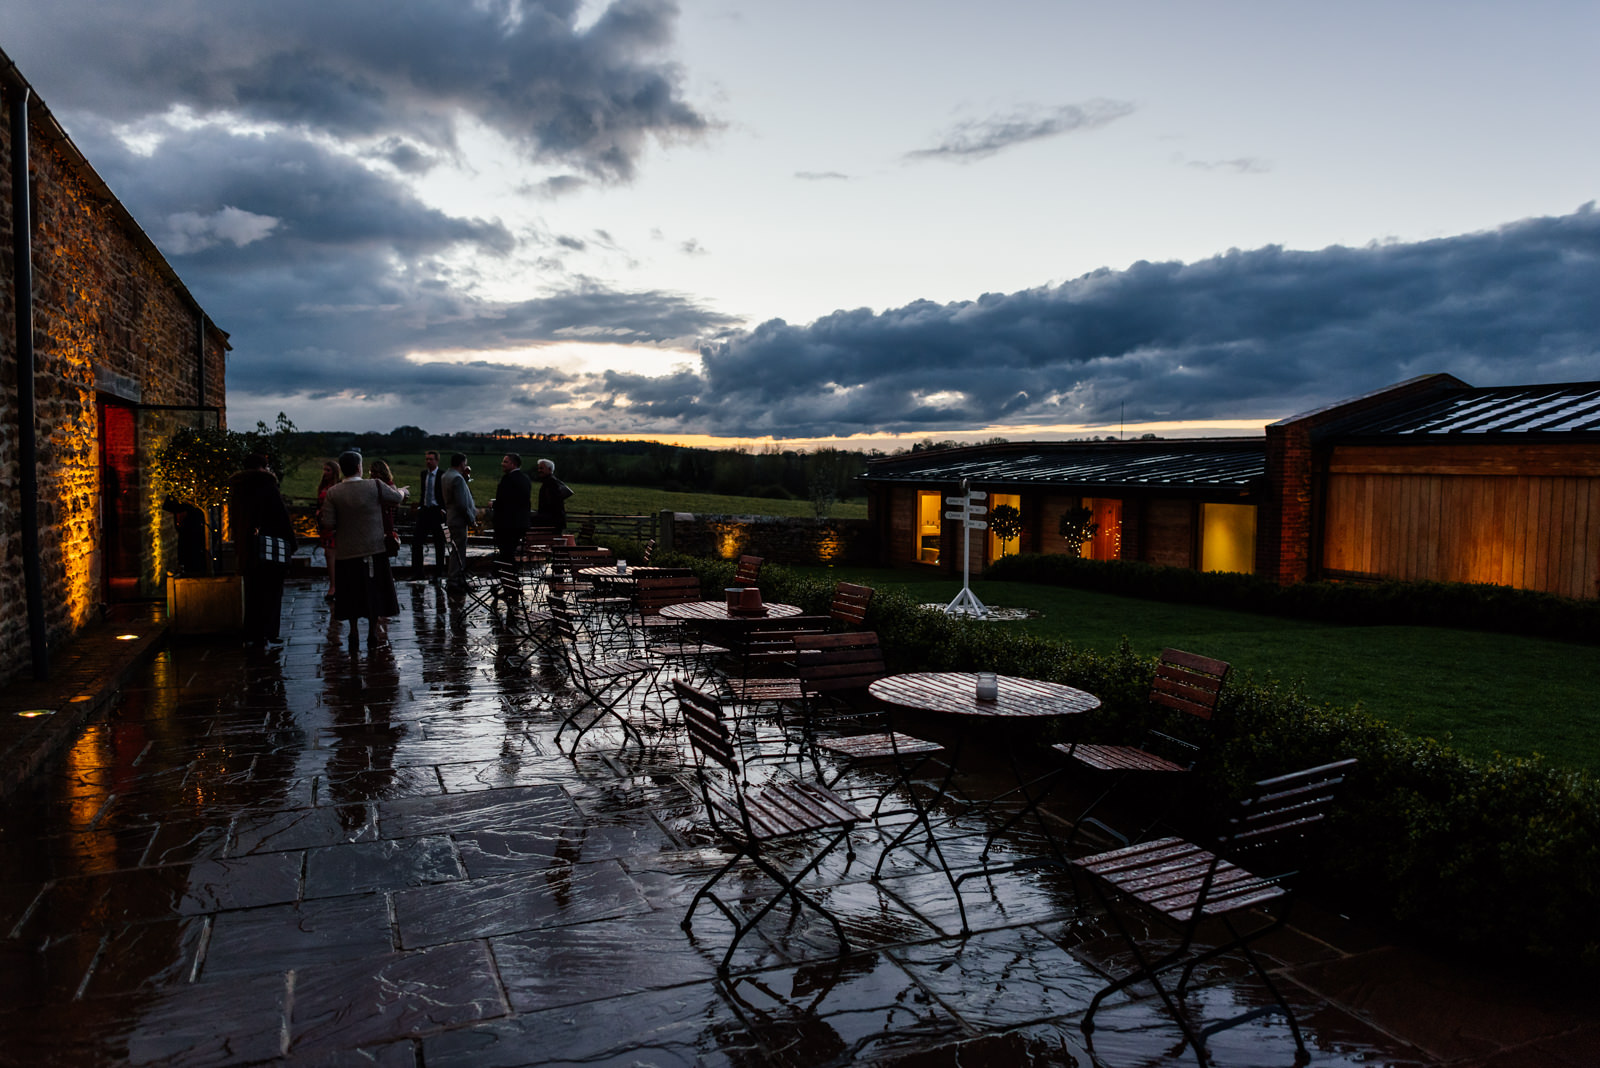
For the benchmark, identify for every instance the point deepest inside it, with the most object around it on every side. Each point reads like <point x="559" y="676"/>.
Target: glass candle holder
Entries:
<point x="622" y="567"/>
<point x="988" y="686"/>
<point x="733" y="593"/>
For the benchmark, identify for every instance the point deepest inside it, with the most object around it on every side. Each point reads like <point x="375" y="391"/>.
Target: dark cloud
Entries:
<point x="589" y="97"/>
<point x="976" y="139"/>
<point x="317" y="199"/>
<point x="1245" y="335"/>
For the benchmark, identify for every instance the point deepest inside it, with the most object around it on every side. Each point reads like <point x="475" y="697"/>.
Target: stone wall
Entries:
<point x="111" y="323"/>
<point x="774" y="539"/>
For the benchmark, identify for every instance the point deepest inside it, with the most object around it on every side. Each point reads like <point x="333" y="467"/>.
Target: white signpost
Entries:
<point x="966" y="602"/>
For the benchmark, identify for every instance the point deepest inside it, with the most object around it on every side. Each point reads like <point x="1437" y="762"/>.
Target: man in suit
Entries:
<point x="429" y="526"/>
<point x="459" y="513"/>
<point x="512" y="507"/>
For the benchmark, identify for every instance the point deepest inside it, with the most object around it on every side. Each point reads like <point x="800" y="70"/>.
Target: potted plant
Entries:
<point x="191" y="472"/>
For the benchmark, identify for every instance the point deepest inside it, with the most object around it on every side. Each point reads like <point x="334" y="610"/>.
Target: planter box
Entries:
<point x="205" y="605"/>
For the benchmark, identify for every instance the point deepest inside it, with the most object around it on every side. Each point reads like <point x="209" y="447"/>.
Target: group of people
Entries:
<point x="356" y="519"/>
<point x="446" y="502"/>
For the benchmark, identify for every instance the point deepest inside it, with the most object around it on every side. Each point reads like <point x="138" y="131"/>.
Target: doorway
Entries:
<point x="121" y="489"/>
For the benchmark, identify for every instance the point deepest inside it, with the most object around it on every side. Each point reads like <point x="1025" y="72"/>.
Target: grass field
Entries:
<point x="586" y="497"/>
<point x="1478" y="692"/>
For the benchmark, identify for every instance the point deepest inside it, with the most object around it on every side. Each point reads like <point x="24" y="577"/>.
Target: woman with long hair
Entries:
<point x="385" y="600"/>
<point x="330" y="478"/>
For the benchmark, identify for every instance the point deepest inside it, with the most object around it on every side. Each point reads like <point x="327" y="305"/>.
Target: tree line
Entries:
<point x="771" y="471"/>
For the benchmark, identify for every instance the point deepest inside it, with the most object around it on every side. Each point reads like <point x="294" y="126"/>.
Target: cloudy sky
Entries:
<point x="861" y="218"/>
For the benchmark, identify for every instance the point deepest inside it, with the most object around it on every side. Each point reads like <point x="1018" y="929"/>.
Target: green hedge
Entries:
<point x="1500" y="855"/>
<point x="1477" y="606"/>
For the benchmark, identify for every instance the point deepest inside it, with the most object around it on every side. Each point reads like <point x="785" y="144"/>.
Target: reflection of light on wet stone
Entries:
<point x="996" y="615"/>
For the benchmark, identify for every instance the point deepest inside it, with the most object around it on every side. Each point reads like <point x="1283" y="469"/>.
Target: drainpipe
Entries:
<point x="27" y="423"/>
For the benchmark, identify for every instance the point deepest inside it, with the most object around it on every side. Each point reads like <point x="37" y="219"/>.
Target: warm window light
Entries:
<point x="35" y="713"/>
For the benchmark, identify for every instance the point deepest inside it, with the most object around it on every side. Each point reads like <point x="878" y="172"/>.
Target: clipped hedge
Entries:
<point x="1498" y="856"/>
<point x="1477" y="606"/>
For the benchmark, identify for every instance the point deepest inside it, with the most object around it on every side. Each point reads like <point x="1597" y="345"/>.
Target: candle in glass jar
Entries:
<point x="988" y="686"/>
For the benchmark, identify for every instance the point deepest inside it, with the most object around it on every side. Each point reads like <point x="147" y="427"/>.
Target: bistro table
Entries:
<point x="695" y="612"/>
<point x="955" y="693"/>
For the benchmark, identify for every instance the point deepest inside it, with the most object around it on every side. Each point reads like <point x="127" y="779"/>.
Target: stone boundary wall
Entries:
<point x="776" y="539"/>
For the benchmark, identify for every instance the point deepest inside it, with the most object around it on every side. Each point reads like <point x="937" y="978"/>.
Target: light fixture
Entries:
<point x="127" y="637"/>
<point x="35" y="713"/>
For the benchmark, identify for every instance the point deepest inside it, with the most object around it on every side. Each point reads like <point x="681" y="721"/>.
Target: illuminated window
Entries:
<point x="996" y="500"/>
<point x="1106" y="541"/>
<point x="926" y="548"/>
<point x="1228" y="538"/>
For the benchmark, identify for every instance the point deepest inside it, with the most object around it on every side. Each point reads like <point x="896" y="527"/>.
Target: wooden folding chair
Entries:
<point x="603" y="683"/>
<point x="763" y="825"/>
<point x="1184" y="884"/>
<point x="849" y="606"/>
<point x="479" y="589"/>
<point x="1184" y="683"/>
<point x="748" y="571"/>
<point x="666" y="639"/>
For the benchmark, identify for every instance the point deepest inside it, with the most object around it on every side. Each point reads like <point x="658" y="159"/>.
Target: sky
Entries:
<point x="862" y="223"/>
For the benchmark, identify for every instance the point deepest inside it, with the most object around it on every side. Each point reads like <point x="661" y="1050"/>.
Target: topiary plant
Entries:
<point x="1006" y="522"/>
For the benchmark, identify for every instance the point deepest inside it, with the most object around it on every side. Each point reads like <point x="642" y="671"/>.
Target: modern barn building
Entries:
<point x="1431" y="479"/>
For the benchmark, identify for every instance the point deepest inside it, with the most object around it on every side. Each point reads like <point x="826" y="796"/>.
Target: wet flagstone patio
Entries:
<point x="307" y="856"/>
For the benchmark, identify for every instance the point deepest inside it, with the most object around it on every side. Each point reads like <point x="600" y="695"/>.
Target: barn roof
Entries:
<point x="1564" y="409"/>
<point x="1230" y="466"/>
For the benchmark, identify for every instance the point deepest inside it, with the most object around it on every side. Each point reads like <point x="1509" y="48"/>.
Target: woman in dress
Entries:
<point x="381" y="473"/>
<point x="363" y="584"/>
<point x="330" y="478"/>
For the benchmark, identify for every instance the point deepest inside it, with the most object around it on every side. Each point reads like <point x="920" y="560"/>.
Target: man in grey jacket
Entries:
<point x="459" y="514"/>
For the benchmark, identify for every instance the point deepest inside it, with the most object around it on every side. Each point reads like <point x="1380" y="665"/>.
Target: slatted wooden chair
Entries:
<point x="764" y="825"/>
<point x="603" y="683"/>
<point x="849" y="606"/>
<point x="479" y="589"/>
<point x="748" y="571"/>
<point x="839" y="718"/>
<point x="1184" y="683"/>
<point x="1231" y="878"/>
<point x="667" y="640"/>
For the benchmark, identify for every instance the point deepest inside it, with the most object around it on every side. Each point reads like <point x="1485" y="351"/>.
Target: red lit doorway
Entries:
<point x="120" y="493"/>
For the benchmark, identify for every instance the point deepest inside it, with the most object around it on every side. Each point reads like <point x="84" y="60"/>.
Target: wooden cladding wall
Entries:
<point x="1536" y="532"/>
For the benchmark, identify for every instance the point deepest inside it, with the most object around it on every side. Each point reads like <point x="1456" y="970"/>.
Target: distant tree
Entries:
<point x="825" y="470"/>
<point x="280" y="445"/>
<point x="1006" y="522"/>
<point x="408" y="435"/>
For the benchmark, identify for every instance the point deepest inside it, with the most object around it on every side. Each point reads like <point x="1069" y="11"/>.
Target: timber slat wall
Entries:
<point x="1521" y="515"/>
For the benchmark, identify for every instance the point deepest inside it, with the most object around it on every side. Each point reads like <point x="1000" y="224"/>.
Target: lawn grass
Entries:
<point x="587" y="497"/>
<point x="1478" y="692"/>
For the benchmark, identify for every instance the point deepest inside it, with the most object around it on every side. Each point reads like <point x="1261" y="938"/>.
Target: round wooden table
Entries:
<point x="717" y="612"/>
<point x="956" y="693"/>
